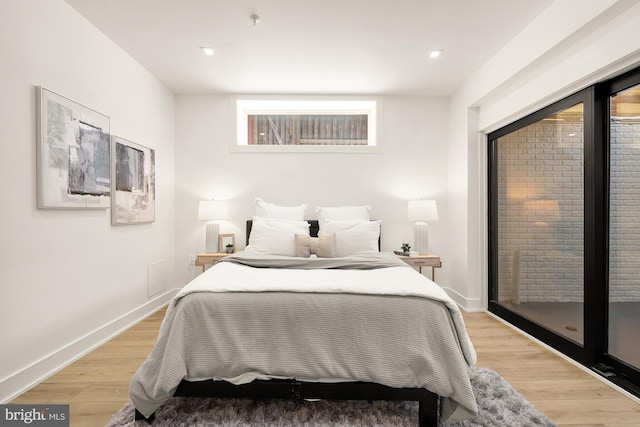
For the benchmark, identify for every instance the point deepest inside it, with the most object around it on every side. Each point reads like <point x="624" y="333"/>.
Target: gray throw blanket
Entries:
<point x="354" y="262"/>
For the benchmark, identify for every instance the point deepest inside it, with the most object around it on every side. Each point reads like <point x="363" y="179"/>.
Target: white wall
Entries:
<point x="411" y="164"/>
<point x="68" y="279"/>
<point x="571" y="45"/>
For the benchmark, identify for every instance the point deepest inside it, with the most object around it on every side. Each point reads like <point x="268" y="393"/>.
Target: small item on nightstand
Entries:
<point x="229" y="248"/>
<point x="405" y="250"/>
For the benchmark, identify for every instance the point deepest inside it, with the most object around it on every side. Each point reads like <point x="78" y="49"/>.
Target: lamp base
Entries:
<point x="421" y="238"/>
<point x="213" y="231"/>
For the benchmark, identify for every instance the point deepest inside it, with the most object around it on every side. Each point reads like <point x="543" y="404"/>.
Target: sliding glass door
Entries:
<point x="624" y="226"/>
<point x="539" y="270"/>
<point x="540" y="221"/>
<point x="564" y="227"/>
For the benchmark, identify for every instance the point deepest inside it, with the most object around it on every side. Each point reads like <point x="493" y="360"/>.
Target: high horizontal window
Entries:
<point x="306" y="125"/>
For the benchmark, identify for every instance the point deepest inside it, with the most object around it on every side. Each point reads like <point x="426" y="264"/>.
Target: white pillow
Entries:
<point x="344" y="213"/>
<point x="353" y="237"/>
<point x="269" y="210"/>
<point x="275" y="237"/>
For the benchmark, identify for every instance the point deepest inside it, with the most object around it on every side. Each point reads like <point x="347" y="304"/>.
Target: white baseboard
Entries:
<point x="468" y="304"/>
<point x="21" y="381"/>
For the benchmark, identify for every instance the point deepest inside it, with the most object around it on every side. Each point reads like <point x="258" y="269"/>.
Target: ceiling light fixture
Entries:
<point x="207" y="51"/>
<point x="435" y="53"/>
<point x="255" y="19"/>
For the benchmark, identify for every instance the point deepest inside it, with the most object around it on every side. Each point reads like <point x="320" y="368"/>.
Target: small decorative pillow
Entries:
<point x="323" y="246"/>
<point x="269" y="210"/>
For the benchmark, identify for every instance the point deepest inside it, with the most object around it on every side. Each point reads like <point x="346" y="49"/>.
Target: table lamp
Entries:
<point x="421" y="211"/>
<point x="212" y="210"/>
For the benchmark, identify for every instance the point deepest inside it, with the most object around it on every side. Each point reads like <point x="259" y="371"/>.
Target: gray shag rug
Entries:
<point x="499" y="405"/>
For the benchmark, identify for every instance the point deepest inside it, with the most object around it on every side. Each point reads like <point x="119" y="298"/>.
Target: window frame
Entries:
<point x="250" y="105"/>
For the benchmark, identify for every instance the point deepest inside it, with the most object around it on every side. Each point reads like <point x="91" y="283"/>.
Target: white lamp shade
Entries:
<point x="213" y="209"/>
<point x="422" y="210"/>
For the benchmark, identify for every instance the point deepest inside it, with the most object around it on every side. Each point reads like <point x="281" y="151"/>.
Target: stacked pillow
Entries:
<point x="274" y="228"/>
<point x="275" y="236"/>
<point x="282" y="230"/>
<point x="354" y="231"/>
<point x="271" y="211"/>
<point x="343" y="213"/>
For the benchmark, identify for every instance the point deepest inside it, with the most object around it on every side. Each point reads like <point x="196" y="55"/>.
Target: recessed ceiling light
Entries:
<point x="207" y="51"/>
<point x="434" y="53"/>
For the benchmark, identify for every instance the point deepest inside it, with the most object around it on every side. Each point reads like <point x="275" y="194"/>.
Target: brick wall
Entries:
<point x="541" y="221"/>
<point x="624" y="255"/>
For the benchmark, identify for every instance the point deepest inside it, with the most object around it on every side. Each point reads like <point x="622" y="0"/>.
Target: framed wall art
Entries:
<point x="133" y="199"/>
<point x="73" y="156"/>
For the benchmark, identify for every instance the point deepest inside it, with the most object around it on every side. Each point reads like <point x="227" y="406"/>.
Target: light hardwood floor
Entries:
<point x="96" y="385"/>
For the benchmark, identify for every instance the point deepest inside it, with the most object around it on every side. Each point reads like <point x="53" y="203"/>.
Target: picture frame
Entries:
<point x="224" y="240"/>
<point x="133" y="197"/>
<point x="72" y="154"/>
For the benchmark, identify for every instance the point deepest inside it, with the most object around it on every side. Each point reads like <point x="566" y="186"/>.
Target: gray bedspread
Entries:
<point x="398" y="341"/>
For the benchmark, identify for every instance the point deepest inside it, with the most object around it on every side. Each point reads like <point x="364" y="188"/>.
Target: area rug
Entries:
<point x="499" y="405"/>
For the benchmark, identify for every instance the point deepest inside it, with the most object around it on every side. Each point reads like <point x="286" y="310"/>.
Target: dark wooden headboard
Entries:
<point x="313" y="229"/>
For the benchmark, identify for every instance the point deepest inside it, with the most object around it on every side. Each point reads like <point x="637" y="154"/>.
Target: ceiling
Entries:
<point x="311" y="46"/>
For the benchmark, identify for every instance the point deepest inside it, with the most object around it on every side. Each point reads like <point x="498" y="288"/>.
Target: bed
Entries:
<point x="261" y="325"/>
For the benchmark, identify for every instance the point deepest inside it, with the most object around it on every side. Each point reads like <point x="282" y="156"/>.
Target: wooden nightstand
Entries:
<point x="428" y="260"/>
<point x="205" y="259"/>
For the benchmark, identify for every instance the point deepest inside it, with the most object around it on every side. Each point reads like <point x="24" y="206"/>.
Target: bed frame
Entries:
<point x="429" y="402"/>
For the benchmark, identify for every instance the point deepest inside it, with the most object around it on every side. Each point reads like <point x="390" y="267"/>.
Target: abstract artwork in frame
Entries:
<point x="73" y="169"/>
<point x="133" y="198"/>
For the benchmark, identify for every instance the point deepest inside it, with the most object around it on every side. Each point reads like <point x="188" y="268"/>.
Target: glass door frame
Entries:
<point x="552" y="338"/>
<point x="593" y="353"/>
<point x="624" y="375"/>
